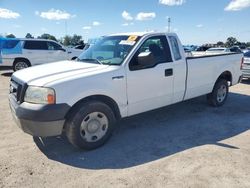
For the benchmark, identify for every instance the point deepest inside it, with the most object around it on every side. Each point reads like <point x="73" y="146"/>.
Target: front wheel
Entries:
<point x="219" y="94"/>
<point x="90" y="125"/>
<point x="20" y="64"/>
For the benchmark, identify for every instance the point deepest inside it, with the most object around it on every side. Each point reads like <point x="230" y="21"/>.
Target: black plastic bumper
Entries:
<point x="38" y="119"/>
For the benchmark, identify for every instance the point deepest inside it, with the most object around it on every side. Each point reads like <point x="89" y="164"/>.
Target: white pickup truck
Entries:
<point x="120" y="76"/>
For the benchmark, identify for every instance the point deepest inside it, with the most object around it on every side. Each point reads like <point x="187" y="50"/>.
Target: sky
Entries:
<point x="195" y="21"/>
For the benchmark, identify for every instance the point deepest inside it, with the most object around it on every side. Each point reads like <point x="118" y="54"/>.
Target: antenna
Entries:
<point x="66" y="28"/>
<point x="169" y="22"/>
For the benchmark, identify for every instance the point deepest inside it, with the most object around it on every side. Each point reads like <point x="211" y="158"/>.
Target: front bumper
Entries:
<point x="6" y="61"/>
<point x="37" y="119"/>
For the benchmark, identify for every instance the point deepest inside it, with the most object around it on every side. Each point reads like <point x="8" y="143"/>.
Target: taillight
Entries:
<point x="241" y="64"/>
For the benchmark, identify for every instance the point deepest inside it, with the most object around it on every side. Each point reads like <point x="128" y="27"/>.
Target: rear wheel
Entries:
<point x="20" y="64"/>
<point x="219" y="94"/>
<point x="90" y="125"/>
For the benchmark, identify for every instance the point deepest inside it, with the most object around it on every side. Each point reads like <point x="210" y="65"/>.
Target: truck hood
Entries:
<point x="43" y="74"/>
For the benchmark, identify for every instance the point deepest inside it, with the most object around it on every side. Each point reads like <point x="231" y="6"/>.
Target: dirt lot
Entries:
<point x="185" y="145"/>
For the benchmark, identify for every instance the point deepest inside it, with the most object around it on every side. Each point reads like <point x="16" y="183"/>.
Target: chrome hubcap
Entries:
<point x="221" y="94"/>
<point x="21" y="65"/>
<point x="94" y="126"/>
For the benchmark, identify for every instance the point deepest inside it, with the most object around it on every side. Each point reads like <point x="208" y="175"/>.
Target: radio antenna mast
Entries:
<point x="169" y="22"/>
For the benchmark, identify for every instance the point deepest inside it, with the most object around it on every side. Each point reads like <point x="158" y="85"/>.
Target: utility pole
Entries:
<point x="169" y="22"/>
<point x="66" y="28"/>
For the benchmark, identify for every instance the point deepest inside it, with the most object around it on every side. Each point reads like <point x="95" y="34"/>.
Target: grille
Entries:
<point x="16" y="90"/>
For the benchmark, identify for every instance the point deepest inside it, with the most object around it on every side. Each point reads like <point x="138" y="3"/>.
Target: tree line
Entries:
<point x="232" y="41"/>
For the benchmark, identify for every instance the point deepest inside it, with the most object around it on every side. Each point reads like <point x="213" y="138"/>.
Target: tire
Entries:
<point x="90" y="125"/>
<point x="73" y="58"/>
<point x="219" y="94"/>
<point x="20" y="64"/>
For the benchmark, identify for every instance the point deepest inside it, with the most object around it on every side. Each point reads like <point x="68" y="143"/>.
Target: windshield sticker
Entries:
<point x="127" y="42"/>
<point x="132" y="38"/>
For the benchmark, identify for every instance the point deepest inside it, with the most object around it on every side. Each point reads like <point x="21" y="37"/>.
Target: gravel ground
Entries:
<point x="185" y="145"/>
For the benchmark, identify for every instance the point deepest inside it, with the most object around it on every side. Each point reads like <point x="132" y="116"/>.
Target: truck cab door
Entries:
<point x="150" y="76"/>
<point x="180" y="68"/>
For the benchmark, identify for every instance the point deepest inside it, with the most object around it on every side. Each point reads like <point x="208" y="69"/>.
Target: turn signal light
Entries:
<point x="51" y="99"/>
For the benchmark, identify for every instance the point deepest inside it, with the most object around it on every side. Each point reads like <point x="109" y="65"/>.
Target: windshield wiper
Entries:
<point x="96" y="61"/>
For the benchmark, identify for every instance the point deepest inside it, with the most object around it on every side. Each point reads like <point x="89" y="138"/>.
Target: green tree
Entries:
<point x="29" y="36"/>
<point x="76" y="40"/>
<point x="66" y="40"/>
<point x="47" y="36"/>
<point x="220" y="43"/>
<point x="231" y="41"/>
<point x="72" y="40"/>
<point x="10" y="36"/>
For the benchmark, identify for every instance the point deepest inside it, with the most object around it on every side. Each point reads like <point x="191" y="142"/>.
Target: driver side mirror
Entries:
<point x="146" y="59"/>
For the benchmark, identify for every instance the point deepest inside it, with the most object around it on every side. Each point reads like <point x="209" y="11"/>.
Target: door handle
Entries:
<point x="117" y="77"/>
<point x="168" y="72"/>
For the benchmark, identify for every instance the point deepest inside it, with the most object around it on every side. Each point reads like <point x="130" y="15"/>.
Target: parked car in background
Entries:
<point x="217" y="50"/>
<point x="23" y="53"/>
<point x="245" y="50"/>
<point x="235" y="49"/>
<point x="246" y="65"/>
<point x="202" y="48"/>
<point x="80" y="46"/>
<point x="187" y="49"/>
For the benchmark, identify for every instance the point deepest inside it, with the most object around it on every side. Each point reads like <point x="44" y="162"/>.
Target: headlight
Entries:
<point x="40" y="95"/>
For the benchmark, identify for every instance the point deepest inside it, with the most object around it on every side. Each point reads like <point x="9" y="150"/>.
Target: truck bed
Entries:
<point x="204" y="69"/>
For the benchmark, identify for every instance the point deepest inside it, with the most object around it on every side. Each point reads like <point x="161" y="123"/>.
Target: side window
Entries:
<point x="175" y="47"/>
<point x="9" y="44"/>
<point x="153" y="51"/>
<point x="35" y="45"/>
<point x="53" y="46"/>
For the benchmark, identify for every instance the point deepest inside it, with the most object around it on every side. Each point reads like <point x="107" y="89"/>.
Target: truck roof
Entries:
<point x="139" y="33"/>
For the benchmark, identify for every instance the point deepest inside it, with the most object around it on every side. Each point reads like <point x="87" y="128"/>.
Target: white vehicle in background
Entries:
<point x="217" y="50"/>
<point x="119" y="76"/>
<point x="23" y="53"/>
<point x="246" y="65"/>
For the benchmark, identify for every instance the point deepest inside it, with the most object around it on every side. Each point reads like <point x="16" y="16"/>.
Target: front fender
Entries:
<point x="71" y="92"/>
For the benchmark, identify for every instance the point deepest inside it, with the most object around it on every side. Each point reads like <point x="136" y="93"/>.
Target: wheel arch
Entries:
<point x="102" y="98"/>
<point x="21" y="59"/>
<point x="227" y="75"/>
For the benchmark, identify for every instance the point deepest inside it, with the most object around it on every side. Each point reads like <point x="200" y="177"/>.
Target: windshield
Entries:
<point x="111" y="50"/>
